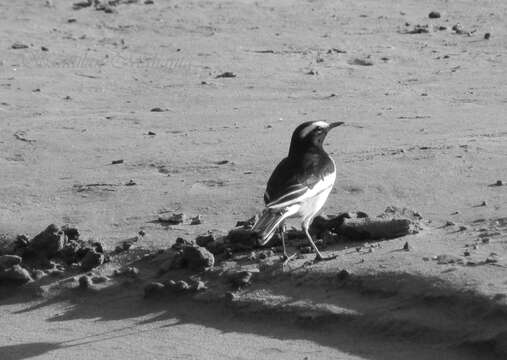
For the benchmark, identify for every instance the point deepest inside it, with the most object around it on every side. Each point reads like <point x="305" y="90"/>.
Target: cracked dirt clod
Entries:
<point x="48" y="242"/>
<point x="7" y="261"/>
<point x="16" y="275"/>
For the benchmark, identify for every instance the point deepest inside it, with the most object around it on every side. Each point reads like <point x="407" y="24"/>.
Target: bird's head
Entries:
<point x="310" y="135"/>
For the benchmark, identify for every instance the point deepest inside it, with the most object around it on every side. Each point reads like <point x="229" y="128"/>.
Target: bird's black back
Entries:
<point x="297" y="171"/>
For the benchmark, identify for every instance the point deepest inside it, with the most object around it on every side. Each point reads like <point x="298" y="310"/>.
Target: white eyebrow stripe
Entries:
<point x="321" y="124"/>
<point x="312" y="126"/>
<point x="307" y="130"/>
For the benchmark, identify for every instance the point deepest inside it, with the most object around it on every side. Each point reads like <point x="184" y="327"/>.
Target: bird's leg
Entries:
<point x="319" y="256"/>
<point x="286" y="258"/>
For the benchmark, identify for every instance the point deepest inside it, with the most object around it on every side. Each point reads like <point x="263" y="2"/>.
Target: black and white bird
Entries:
<point x="299" y="185"/>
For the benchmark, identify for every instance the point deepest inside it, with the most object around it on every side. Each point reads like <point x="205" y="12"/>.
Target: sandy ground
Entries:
<point x="426" y="130"/>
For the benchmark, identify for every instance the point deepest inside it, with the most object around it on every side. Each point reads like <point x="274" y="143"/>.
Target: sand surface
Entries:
<point x="425" y="129"/>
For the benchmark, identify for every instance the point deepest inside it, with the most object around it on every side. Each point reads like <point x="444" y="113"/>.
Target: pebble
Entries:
<point x="7" y="261"/>
<point x="406" y="247"/>
<point x="361" y="62"/>
<point x="487" y="36"/>
<point x="434" y="15"/>
<point x="153" y="289"/>
<point x="205" y="240"/>
<point x="85" y="282"/>
<point x="18" y="45"/>
<point x="115" y="162"/>
<point x="241" y="279"/>
<point x="131" y="182"/>
<point x="173" y="219"/>
<point x="149" y="2"/>
<point x="499" y="183"/>
<point x="446" y="259"/>
<point x="38" y="274"/>
<point x="196" y="220"/>
<point x="226" y="74"/>
<point x="179" y="286"/>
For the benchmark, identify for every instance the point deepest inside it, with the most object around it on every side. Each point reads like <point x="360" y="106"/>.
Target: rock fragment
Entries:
<point x="91" y="260"/>
<point x="49" y="242"/>
<point x="7" y="261"/>
<point x="434" y="15"/>
<point x="197" y="258"/>
<point x="227" y="74"/>
<point x="85" y="282"/>
<point x="15" y="275"/>
<point x="172" y="219"/>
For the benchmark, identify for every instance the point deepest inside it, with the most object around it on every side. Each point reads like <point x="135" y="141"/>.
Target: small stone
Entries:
<point x="361" y="62"/>
<point x="463" y="228"/>
<point x="198" y="258"/>
<point x="485" y="240"/>
<point x="15" y="275"/>
<point x="434" y="15"/>
<point x="230" y="297"/>
<point x="157" y="109"/>
<point x="149" y="2"/>
<point x="82" y="4"/>
<point x="449" y="223"/>
<point x="151" y="133"/>
<point x="499" y="183"/>
<point x="406" y="247"/>
<point x="115" y="162"/>
<point x="226" y="74"/>
<point x="38" y="274"/>
<point x="197" y="285"/>
<point x="342" y="275"/>
<point x="181" y="243"/>
<point x="71" y="20"/>
<point x="18" y="45"/>
<point x="458" y="29"/>
<point x="425" y="258"/>
<point x="240" y="279"/>
<point x="130" y="183"/>
<point x="7" y="261"/>
<point x="466" y="253"/>
<point x="173" y="219"/>
<point x="179" y="286"/>
<point x="205" y="240"/>
<point x="154" y="289"/>
<point x="91" y="260"/>
<point x="446" y="259"/>
<point x="196" y="220"/>
<point x="487" y="36"/>
<point x="85" y="282"/>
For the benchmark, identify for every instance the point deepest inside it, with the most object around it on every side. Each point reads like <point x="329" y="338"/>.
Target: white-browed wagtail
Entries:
<point x="299" y="185"/>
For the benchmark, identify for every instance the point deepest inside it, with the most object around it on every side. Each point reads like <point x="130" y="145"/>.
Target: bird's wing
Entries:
<point x="289" y="184"/>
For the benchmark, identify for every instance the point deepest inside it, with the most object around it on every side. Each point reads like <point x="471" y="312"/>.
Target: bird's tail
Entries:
<point x="268" y="222"/>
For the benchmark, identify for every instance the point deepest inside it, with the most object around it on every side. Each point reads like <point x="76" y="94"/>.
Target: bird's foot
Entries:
<point x="286" y="258"/>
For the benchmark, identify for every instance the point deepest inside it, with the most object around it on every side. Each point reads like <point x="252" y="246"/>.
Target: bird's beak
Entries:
<point x="335" y="124"/>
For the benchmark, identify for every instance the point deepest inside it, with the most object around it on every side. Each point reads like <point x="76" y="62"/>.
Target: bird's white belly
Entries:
<point x="312" y="206"/>
<point x="315" y="199"/>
